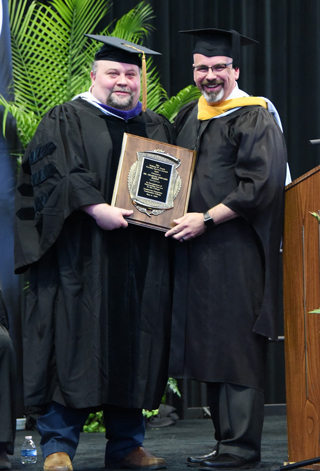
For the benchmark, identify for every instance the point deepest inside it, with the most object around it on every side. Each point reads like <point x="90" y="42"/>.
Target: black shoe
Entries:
<point x="227" y="461"/>
<point x="193" y="461"/>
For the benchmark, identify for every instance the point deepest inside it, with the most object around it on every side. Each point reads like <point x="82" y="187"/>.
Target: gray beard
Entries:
<point x="124" y="105"/>
<point x="213" y="97"/>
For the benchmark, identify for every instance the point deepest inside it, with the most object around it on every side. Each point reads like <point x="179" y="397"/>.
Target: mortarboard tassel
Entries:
<point x="144" y="82"/>
<point x="144" y="76"/>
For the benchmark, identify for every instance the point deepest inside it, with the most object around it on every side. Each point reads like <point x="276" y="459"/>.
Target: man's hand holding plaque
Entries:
<point x="153" y="179"/>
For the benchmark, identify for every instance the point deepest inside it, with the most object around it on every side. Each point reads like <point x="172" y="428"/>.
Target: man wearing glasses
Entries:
<point x="227" y="266"/>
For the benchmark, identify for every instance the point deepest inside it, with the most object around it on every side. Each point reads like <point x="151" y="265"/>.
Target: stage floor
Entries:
<point x="173" y="443"/>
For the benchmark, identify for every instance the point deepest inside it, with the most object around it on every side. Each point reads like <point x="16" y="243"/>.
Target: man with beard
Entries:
<point x="98" y="312"/>
<point x="227" y="266"/>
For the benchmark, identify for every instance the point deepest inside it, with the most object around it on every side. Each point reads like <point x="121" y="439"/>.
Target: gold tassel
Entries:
<point x="144" y="83"/>
<point x="144" y="76"/>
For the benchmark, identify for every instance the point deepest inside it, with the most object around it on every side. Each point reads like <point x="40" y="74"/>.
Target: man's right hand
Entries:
<point x="108" y="217"/>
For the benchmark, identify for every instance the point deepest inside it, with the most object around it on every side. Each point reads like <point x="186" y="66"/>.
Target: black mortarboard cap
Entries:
<point x="218" y="42"/>
<point x="121" y="50"/>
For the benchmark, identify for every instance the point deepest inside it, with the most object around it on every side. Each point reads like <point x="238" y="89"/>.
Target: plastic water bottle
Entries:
<point x="28" y="451"/>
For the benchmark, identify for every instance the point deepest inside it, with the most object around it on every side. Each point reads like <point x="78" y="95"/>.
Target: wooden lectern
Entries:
<point x="301" y="287"/>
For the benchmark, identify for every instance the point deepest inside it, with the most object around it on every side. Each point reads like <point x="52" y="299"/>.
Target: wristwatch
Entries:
<point x="208" y="221"/>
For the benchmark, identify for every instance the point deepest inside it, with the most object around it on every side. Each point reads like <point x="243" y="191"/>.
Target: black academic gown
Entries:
<point x="99" y="304"/>
<point x="227" y="279"/>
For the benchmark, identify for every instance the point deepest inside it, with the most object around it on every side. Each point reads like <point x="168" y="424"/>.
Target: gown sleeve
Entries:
<point x="259" y="198"/>
<point x="54" y="181"/>
<point x="260" y="167"/>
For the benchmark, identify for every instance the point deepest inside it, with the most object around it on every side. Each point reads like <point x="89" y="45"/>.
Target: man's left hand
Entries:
<point x="187" y="227"/>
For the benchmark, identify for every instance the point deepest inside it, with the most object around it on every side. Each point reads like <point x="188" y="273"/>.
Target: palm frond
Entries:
<point x="26" y="121"/>
<point x="51" y="57"/>
<point x="134" y="25"/>
<point x="48" y="44"/>
<point x="171" y="107"/>
<point x="156" y="93"/>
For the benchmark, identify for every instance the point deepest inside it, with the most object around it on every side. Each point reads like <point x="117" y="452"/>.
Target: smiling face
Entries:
<point x="116" y="84"/>
<point x="216" y="83"/>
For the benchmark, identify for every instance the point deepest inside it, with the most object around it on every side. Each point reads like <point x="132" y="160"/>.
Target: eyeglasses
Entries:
<point x="204" y="69"/>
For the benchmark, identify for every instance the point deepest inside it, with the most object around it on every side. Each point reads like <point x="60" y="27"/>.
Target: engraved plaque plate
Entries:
<point x="154" y="180"/>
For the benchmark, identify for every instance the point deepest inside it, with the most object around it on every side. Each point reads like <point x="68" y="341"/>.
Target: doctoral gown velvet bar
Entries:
<point x="98" y="310"/>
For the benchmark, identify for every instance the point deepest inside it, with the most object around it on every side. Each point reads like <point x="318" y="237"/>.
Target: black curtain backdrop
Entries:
<point x="284" y="67"/>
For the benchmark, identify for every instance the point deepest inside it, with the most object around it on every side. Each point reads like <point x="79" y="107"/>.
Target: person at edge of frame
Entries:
<point x="98" y="310"/>
<point x="227" y="274"/>
<point x="7" y="389"/>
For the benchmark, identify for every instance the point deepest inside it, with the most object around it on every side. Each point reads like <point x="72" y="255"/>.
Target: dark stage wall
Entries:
<point x="284" y="67"/>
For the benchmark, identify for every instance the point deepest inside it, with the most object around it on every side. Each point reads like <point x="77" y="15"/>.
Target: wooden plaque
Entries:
<point x="154" y="180"/>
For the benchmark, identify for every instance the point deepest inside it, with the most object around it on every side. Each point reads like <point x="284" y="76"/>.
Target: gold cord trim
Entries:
<point x="144" y="77"/>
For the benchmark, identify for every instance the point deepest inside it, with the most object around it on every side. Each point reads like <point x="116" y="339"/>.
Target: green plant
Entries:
<point x="150" y="413"/>
<point x="172" y="385"/>
<point x="315" y="215"/>
<point x="171" y="107"/>
<point x="51" y="57"/>
<point x="94" y="423"/>
<point x="51" y="62"/>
